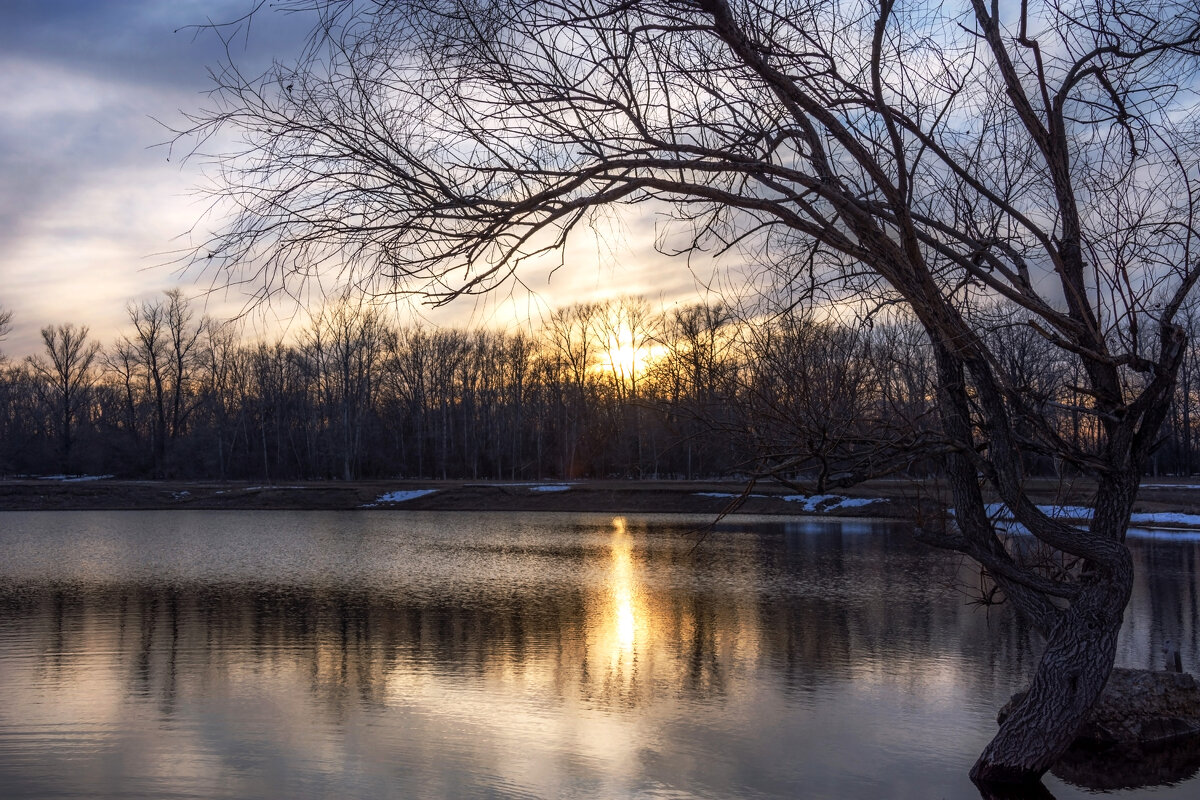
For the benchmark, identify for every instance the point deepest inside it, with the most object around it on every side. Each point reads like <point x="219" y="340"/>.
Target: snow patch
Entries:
<point x="400" y="496"/>
<point x="812" y="504"/>
<point x="74" y="478"/>
<point x="532" y="485"/>
<point x="830" y="502"/>
<point x="858" y="502"/>
<point x="1165" y="518"/>
<point x="1000" y="511"/>
<point x="1004" y="519"/>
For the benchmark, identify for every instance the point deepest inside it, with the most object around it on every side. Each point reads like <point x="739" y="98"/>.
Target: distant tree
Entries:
<point x="572" y="337"/>
<point x="517" y="358"/>
<point x="625" y="332"/>
<point x="408" y="377"/>
<point x="9" y="399"/>
<point x="160" y="359"/>
<point x="695" y="380"/>
<point x="5" y="327"/>
<point x="943" y="158"/>
<point x="813" y="399"/>
<point x="66" y="374"/>
<point x="342" y="352"/>
<point x="222" y="382"/>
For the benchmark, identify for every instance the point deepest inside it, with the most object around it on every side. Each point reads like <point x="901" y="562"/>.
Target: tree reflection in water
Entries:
<point x="496" y="656"/>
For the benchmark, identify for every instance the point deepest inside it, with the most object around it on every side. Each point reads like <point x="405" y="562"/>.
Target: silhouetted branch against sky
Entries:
<point x="1040" y="161"/>
<point x="945" y="159"/>
<point x="435" y="146"/>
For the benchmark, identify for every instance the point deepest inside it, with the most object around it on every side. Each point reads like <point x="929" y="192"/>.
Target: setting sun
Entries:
<point x="628" y="361"/>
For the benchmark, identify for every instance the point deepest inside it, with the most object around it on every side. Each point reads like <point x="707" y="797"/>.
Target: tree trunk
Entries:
<point x="1074" y="667"/>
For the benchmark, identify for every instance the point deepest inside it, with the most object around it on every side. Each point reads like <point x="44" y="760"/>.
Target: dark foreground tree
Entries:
<point x="971" y="163"/>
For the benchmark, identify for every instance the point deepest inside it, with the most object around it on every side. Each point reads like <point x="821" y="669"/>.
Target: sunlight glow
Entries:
<point x="622" y="588"/>
<point x="625" y="620"/>
<point x="628" y="362"/>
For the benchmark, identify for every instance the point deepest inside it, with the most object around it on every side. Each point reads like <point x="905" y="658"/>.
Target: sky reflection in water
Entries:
<point x="268" y="654"/>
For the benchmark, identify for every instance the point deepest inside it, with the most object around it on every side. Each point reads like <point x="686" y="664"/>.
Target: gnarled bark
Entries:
<point x="1071" y="675"/>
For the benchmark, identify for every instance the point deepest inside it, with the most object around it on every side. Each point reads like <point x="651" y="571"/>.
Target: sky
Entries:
<point x="92" y="205"/>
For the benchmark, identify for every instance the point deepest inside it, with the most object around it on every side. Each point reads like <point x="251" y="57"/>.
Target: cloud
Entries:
<point x="138" y="43"/>
<point x="89" y="207"/>
<point x="86" y="200"/>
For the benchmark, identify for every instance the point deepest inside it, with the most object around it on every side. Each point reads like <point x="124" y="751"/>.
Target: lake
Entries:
<point x="382" y="654"/>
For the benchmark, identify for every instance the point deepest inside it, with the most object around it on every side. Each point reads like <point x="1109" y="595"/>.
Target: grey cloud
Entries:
<point x="81" y="81"/>
<point x="139" y="42"/>
<point x="146" y="67"/>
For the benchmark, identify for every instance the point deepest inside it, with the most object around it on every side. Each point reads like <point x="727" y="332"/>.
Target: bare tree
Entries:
<point x="625" y="332"/>
<point x="224" y="364"/>
<point x="8" y="404"/>
<point x="160" y="359"/>
<point x="1041" y="157"/>
<point x="342" y="352"/>
<point x="572" y="335"/>
<point x="408" y="376"/>
<point x="5" y="327"/>
<point x="66" y="372"/>
<point x="696" y="377"/>
<point x="814" y="398"/>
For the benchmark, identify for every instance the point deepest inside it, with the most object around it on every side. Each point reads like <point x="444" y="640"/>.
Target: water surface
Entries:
<point x="405" y="654"/>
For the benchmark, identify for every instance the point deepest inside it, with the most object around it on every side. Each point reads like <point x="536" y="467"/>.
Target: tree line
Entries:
<point x="612" y="389"/>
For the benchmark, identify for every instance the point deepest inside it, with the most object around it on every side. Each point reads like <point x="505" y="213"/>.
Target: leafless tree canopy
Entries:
<point x="66" y="375"/>
<point x="974" y="164"/>
<point x="446" y="141"/>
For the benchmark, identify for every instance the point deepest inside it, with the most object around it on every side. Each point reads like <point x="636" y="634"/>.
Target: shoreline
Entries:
<point x="1164" y="504"/>
<point x="608" y="496"/>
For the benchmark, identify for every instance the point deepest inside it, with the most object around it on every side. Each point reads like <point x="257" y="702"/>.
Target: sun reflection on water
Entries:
<point x="624" y="623"/>
<point x="623" y="587"/>
<point x="609" y="658"/>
